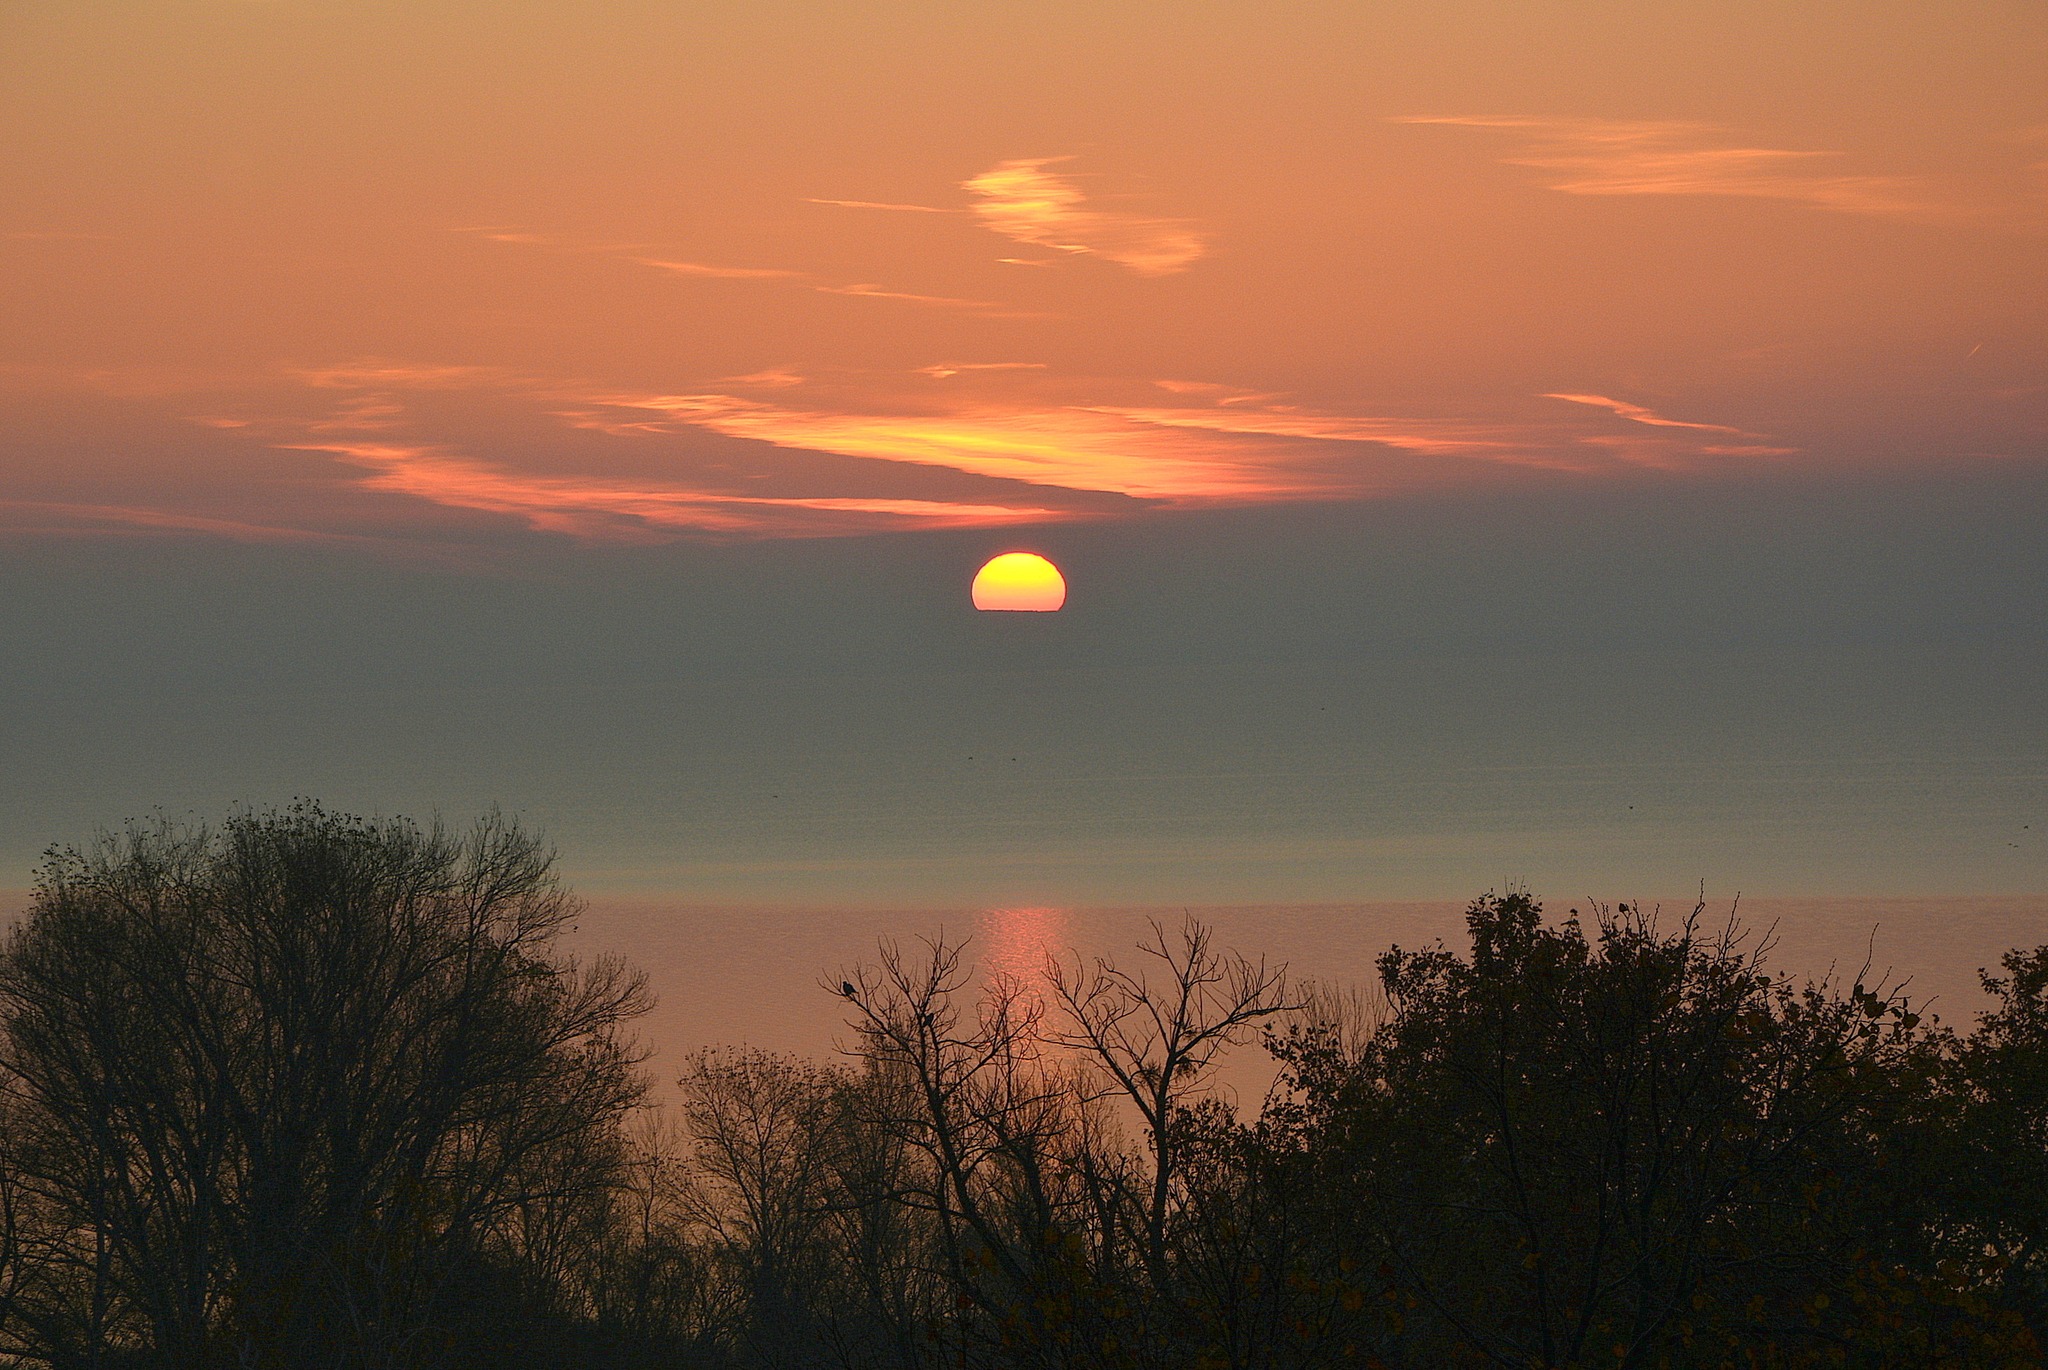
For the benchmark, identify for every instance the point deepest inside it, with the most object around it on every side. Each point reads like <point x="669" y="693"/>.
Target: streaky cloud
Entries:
<point x="492" y="233"/>
<point x="1636" y="413"/>
<point x="944" y="370"/>
<point x="776" y="275"/>
<point x="75" y="519"/>
<point x="1591" y="156"/>
<point x="776" y="454"/>
<point x="719" y="273"/>
<point x="1216" y="453"/>
<point x="1451" y="438"/>
<point x="1063" y="447"/>
<point x="868" y="291"/>
<point x="772" y="378"/>
<point x="375" y="372"/>
<point x="881" y="204"/>
<point x="639" y="255"/>
<point x="1221" y="446"/>
<point x="612" y="510"/>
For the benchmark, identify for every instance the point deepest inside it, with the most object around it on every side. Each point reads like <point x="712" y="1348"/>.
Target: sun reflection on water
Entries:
<point x="1015" y="943"/>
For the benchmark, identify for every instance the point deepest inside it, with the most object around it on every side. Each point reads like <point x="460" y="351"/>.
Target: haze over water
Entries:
<point x="766" y="977"/>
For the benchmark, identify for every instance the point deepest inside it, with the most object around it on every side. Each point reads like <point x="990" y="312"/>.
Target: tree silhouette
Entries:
<point x="294" y="1074"/>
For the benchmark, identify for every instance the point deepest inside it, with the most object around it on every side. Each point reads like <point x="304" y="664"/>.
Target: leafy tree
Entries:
<point x="1995" y="1182"/>
<point x="1573" y="1149"/>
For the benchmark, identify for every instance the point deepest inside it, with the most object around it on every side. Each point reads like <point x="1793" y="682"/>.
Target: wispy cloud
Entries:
<point x="371" y="373"/>
<point x="943" y="370"/>
<point x="881" y="204"/>
<point x="2036" y="138"/>
<point x="1674" y="157"/>
<point x="74" y="519"/>
<point x="1027" y="203"/>
<point x="1219" y="394"/>
<point x="611" y="510"/>
<point x="493" y="233"/>
<point x="876" y="292"/>
<point x="34" y="235"/>
<point x="1638" y="414"/>
<point x="607" y="422"/>
<point x="790" y="276"/>
<point x="720" y="273"/>
<point x="1750" y="444"/>
<point x="364" y="414"/>
<point x="637" y="254"/>
<point x="773" y="378"/>
<point x="1429" y="437"/>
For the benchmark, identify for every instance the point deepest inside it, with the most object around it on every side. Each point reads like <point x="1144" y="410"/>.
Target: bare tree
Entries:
<point x="761" y="1136"/>
<point x="994" y="1124"/>
<point x="642" y="1278"/>
<point x="891" y="1269"/>
<point x="1157" y="1032"/>
<point x="1345" y="1016"/>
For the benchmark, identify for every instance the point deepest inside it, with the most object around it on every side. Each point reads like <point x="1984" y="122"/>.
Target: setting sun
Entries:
<point x="1020" y="581"/>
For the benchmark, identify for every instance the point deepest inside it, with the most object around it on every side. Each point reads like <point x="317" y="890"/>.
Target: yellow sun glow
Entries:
<point x="1020" y="580"/>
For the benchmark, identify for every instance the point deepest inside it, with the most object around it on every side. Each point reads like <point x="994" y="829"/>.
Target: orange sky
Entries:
<point x="400" y="275"/>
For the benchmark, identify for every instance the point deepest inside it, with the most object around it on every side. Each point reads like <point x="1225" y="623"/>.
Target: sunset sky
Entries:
<point x="1598" y="444"/>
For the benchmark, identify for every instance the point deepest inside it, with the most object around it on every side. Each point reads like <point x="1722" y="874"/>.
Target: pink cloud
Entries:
<point x="1674" y="157"/>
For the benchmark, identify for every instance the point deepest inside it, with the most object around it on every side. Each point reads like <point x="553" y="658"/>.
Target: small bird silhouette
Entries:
<point x="846" y="988"/>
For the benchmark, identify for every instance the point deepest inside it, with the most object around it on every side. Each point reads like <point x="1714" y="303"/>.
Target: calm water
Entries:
<point x="767" y="976"/>
<point x="762" y="976"/>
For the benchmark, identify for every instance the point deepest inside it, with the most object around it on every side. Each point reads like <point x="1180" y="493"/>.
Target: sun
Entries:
<point x="1020" y="581"/>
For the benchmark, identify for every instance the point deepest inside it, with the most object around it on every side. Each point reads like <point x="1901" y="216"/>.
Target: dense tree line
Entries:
<point x="306" y="1090"/>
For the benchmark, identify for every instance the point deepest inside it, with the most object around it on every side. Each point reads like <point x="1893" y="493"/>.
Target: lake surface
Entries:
<point x="764" y="977"/>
